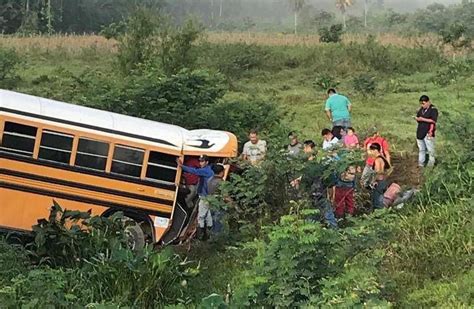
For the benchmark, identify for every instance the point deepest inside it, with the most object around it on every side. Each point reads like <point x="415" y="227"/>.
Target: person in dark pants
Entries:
<point x="204" y="213"/>
<point x="427" y="116"/>
<point x="317" y="186"/>
<point x="381" y="169"/>
<point x="212" y="187"/>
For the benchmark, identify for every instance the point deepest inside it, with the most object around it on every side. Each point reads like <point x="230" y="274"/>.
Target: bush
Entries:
<point x="13" y="261"/>
<point x="177" y="49"/>
<point x="138" y="46"/>
<point x="68" y="238"/>
<point x="288" y="268"/>
<point x="332" y="34"/>
<point x="454" y="71"/>
<point x="9" y="62"/>
<point x="365" y="84"/>
<point x="325" y="81"/>
<point x="235" y="59"/>
<point x="240" y="116"/>
<point x="88" y="263"/>
<point x="182" y="99"/>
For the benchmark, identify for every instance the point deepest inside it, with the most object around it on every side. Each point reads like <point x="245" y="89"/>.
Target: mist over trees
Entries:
<point x="287" y="16"/>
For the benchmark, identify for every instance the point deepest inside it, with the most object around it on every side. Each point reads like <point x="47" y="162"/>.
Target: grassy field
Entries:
<point x="284" y="71"/>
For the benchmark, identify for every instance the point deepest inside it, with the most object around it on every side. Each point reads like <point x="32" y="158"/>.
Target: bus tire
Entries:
<point x="135" y="235"/>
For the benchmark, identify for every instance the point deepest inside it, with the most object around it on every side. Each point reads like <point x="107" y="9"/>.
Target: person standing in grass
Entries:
<point x="427" y="116"/>
<point x="338" y="109"/>
<point x="205" y="173"/>
<point x="213" y="185"/>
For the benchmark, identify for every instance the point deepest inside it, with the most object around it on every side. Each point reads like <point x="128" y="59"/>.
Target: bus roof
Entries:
<point x="210" y="142"/>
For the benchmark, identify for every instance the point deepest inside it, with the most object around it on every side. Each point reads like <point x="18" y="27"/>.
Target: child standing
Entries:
<point x="344" y="193"/>
<point x="350" y="139"/>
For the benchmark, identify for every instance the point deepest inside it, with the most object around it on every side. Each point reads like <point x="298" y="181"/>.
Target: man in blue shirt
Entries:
<point x="204" y="213"/>
<point x="338" y="109"/>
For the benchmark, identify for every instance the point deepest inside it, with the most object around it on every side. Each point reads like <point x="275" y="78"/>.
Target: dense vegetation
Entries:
<point x="301" y="16"/>
<point x="273" y="252"/>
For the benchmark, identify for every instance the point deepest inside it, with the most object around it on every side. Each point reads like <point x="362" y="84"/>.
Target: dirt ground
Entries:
<point x="405" y="170"/>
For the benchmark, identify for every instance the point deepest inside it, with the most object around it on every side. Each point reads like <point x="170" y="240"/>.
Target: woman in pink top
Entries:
<point x="350" y="139"/>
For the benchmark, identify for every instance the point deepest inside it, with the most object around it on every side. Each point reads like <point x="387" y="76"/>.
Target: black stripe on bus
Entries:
<point x="87" y="126"/>
<point x="82" y="199"/>
<point x="14" y="157"/>
<point x="85" y="186"/>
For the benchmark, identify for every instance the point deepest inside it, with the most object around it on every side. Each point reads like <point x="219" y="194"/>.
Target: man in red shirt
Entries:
<point x="191" y="181"/>
<point x="368" y="170"/>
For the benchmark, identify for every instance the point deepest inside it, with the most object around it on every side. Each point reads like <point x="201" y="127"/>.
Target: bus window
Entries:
<point x="127" y="161"/>
<point x="92" y="154"/>
<point x="55" y="146"/>
<point x="161" y="167"/>
<point x="18" y="139"/>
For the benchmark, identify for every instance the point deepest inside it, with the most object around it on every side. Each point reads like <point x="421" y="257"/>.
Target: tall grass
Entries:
<point x="74" y="42"/>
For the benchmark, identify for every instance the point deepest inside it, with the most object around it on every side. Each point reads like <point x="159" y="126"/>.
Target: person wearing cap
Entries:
<point x="295" y="147"/>
<point x="205" y="173"/>
<point x="255" y="149"/>
<point x="338" y="109"/>
<point x="374" y="137"/>
<point x="427" y="116"/>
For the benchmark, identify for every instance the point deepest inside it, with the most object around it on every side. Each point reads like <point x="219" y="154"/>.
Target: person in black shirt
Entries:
<point x="427" y="116"/>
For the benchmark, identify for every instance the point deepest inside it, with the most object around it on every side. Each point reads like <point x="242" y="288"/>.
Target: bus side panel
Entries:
<point x="21" y="210"/>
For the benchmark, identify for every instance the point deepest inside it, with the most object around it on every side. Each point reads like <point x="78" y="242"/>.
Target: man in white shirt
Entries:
<point x="330" y="141"/>
<point x="255" y="149"/>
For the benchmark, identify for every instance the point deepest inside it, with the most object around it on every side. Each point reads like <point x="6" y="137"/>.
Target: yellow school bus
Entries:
<point x="88" y="159"/>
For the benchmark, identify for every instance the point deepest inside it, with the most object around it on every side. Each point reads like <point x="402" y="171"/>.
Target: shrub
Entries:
<point x="456" y="36"/>
<point x="9" y="62"/>
<point x="240" y="116"/>
<point x="454" y="71"/>
<point x="90" y="263"/>
<point x="138" y="45"/>
<point x="41" y="288"/>
<point x="357" y="285"/>
<point x="180" y="99"/>
<point x="325" y="81"/>
<point x="177" y="50"/>
<point x="373" y="55"/>
<point x="365" y="84"/>
<point x="13" y="261"/>
<point x="235" y="59"/>
<point x="114" y="30"/>
<point x="289" y="267"/>
<point x="332" y="34"/>
<point x="57" y="244"/>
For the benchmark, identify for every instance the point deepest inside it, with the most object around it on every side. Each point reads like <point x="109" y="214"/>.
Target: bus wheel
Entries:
<point x="135" y="235"/>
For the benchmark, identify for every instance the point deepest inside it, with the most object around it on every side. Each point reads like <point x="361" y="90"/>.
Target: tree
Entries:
<point x="366" y="9"/>
<point x="342" y="5"/>
<point x="296" y="6"/>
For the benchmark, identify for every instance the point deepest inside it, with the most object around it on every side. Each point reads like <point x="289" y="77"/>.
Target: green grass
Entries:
<point x="425" y="238"/>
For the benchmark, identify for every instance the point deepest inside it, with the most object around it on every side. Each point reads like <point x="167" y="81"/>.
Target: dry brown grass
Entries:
<point x="281" y="39"/>
<point x="71" y="44"/>
<point x="76" y="43"/>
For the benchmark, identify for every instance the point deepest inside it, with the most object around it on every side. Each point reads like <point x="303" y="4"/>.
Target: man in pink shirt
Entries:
<point x="374" y="138"/>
